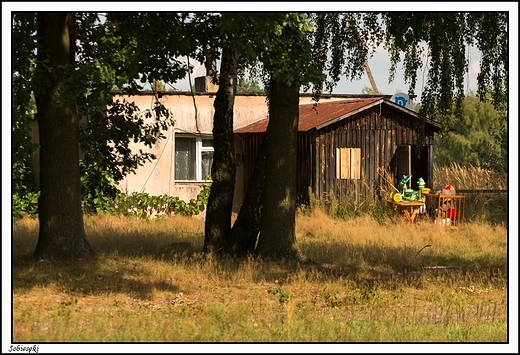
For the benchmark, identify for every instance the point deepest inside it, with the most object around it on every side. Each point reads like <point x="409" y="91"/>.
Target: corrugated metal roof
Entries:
<point x="326" y="113"/>
<point x="312" y="117"/>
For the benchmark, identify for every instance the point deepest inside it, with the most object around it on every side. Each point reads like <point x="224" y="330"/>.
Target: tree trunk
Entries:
<point x="223" y="170"/>
<point x="62" y="233"/>
<point x="278" y="221"/>
<point x="244" y="234"/>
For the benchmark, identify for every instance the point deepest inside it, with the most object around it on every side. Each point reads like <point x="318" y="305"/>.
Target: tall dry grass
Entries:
<point x="469" y="178"/>
<point x="488" y="207"/>
<point x="363" y="281"/>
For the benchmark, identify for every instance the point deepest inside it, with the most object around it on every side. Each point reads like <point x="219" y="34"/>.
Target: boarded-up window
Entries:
<point x="348" y="163"/>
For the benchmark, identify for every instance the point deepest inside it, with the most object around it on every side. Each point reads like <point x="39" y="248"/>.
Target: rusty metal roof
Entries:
<point x="321" y="115"/>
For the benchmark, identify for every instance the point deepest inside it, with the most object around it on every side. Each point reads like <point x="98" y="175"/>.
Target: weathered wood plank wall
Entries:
<point x="377" y="131"/>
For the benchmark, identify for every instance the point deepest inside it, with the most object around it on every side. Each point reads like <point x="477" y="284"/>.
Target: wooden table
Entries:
<point x="409" y="209"/>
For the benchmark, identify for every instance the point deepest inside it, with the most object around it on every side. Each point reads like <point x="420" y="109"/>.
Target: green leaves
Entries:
<point x="286" y="51"/>
<point x="143" y="205"/>
<point x="283" y="297"/>
<point x="478" y="139"/>
<point x="442" y="38"/>
<point x="25" y="201"/>
<point x="25" y="193"/>
<point x="107" y="136"/>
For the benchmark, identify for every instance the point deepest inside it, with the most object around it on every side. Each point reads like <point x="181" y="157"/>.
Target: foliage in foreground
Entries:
<point x="136" y="204"/>
<point x="144" y="205"/>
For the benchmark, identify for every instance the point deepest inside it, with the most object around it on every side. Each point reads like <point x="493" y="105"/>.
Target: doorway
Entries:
<point x="406" y="161"/>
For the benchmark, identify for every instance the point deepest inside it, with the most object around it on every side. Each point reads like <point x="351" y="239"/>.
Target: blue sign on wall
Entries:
<point x="402" y="100"/>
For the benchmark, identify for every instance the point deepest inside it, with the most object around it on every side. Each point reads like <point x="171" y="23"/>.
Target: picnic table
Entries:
<point x="409" y="209"/>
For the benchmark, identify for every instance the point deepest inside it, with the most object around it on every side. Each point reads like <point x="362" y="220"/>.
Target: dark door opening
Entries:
<point x="406" y="161"/>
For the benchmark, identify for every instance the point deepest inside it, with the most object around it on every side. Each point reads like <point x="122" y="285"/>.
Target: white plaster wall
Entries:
<point x="156" y="177"/>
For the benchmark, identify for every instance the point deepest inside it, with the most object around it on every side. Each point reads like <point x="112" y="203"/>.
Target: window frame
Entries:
<point x="199" y="149"/>
<point x="348" y="163"/>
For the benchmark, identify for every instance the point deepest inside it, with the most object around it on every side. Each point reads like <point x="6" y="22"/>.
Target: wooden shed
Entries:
<point x="343" y="145"/>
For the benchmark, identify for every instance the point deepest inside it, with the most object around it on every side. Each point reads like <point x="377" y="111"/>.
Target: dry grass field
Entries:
<point x="470" y="177"/>
<point x="364" y="282"/>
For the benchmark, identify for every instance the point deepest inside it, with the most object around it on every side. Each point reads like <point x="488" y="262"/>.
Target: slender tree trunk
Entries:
<point x="278" y="221"/>
<point x="62" y="233"/>
<point x="244" y="234"/>
<point x="223" y="170"/>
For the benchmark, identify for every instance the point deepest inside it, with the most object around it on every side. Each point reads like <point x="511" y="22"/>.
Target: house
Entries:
<point x="343" y="145"/>
<point x="342" y="142"/>
<point x="185" y="156"/>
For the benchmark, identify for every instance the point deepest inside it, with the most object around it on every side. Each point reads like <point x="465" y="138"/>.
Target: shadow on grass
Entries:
<point x="397" y="259"/>
<point x="86" y="277"/>
<point x="364" y="265"/>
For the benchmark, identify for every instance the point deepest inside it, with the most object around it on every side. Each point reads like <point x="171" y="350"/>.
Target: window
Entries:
<point x="348" y="163"/>
<point x="193" y="157"/>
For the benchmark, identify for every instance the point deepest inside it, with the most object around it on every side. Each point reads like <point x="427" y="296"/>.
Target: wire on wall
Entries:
<point x="157" y="162"/>
<point x="193" y="95"/>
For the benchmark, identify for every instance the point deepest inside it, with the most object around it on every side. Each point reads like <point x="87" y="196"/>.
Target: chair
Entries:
<point x="446" y="209"/>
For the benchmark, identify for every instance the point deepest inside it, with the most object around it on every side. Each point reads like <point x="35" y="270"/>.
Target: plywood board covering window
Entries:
<point x="348" y="163"/>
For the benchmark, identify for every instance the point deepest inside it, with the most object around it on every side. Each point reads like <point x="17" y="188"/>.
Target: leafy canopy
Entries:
<point x="442" y="38"/>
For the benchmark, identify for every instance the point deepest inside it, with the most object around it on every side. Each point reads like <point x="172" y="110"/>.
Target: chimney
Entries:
<point x="205" y="84"/>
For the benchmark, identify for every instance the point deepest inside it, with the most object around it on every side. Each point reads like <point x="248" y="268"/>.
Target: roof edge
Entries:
<point x="348" y="114"/>
<point x="212" y="93"/>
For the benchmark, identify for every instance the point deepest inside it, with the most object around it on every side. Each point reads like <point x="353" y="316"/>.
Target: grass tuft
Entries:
<point x="363" y="281"/>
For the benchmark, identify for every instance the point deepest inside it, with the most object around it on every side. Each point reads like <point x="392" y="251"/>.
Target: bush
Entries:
<point x="143" y="205"/>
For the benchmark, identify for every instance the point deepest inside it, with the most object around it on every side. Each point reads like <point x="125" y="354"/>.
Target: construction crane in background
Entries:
<point x="367" y="66"/>
<point x="371" y="78"/>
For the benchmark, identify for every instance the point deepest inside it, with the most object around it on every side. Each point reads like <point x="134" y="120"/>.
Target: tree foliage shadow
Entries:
<point x="387" y="267"/>
<point x="364" y="265"/>
<point x="84" y="277"/>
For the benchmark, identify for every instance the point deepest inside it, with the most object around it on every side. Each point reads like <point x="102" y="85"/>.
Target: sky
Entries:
<point x="380" y="67"/>
<point x="379" y="63"/>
